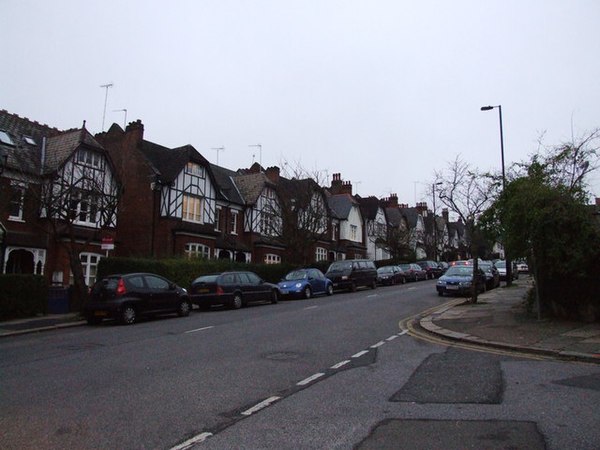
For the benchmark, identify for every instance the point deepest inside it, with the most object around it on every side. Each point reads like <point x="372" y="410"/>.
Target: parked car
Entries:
<point x="413" y="272"/>
<point x="492" y="276"/>
<point x="305" y="283"/>
<point x="443" y="266"/>
<point x="125" y="297"/>
<point x="431" y="267"/>
<point x="458" y="280"/>
<point x="390" y="275"/>
<point x="352" y="273"/>
<point x="501" y="266"/>
<point x="522" y="267"/>
<point x="233" y="289"/>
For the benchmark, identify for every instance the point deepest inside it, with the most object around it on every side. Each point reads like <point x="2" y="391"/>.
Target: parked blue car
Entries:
<point x="304" y="283"/>
<point x="458" y="280"/>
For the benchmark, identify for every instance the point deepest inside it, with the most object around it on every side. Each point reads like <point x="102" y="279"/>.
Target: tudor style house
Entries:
<point x="376" y="228"/>
<point x="59" y="196"/>
<point x="169" y="203"/>
<point x="347" y="229"/>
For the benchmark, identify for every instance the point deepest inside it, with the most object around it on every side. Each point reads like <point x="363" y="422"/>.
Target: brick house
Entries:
<point x="169" y="203"/>
<point x="347" y="227"/>
<point x="59" y="196"/>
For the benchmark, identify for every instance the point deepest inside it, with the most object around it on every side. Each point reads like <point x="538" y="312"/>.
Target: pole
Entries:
<point x="435" y="249"/>
<point x="509" y="271"/>
<point x="106" y="86"/>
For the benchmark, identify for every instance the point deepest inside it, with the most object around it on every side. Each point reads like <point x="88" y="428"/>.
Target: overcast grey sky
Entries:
<point x="383" y="92"/>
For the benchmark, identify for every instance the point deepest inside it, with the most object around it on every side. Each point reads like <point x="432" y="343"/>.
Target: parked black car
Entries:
<point x="352" y="273"/>
<point x="492" y="275"/>
<point x="233" y="289"/>
<point x="125" y="297"/>
<point x="390" y="275"/>
<point x="432" y="268"/>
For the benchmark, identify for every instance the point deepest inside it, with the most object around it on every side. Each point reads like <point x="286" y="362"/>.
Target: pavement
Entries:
<point x="499" y="320"/>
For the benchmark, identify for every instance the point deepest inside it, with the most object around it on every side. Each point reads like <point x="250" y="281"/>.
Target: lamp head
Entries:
<point x="486" y="108"/>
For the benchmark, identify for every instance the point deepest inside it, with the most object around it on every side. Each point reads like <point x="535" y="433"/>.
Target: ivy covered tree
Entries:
<point x="547" y="221"/>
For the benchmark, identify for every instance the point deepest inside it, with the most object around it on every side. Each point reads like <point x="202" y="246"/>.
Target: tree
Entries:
<point x="468" y="193"/>
<point x="76" y="201"/>
<point x="547" y="221"/>
<point x="299" y="219"/>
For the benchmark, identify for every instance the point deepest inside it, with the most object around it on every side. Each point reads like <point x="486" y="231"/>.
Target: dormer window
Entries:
<point x="5" y="138"/>
<point x="194" y="169"/>
<point x="89" y="157"/>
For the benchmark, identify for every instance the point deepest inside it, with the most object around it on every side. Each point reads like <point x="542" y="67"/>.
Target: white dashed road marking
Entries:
<point x="359" y="354"/>
<point x="195" y="440"/>
<point x="310" y="379"/>
<point x="340" y="364"/>
<point x="379" y="344"/>
<point x="260" y="405"/>
<point x="199" y="329"/>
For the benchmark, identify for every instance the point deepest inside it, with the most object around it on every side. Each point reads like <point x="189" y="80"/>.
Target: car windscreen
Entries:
<point x="385" y="270"/>
<point x="340" y="265"/>
<point x="460" y="271"/>
<point x="206" y="279"/>
<point x="296" y="275"/>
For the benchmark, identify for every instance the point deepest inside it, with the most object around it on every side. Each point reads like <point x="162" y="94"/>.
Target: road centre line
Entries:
<point x="359" y="354"/>
<point x="391" y="338"/>
<point x="310" y="307"/>
<point x="260" y="405"/>
<point x="379" y="344"/>
<point x="403" y="333"/>
<point x="372" y="295"/>
<point x="195" y="440"/>
<point x="309" y="379"/>
<point x="340" y="364"/>
<point x="199" y="329"/>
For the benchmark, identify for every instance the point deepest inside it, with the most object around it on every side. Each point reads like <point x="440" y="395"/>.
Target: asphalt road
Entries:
<point x="329" y="372"/>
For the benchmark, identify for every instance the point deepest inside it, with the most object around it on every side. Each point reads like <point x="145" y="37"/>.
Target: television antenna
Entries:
<point x="259" y="152"/>
<point x="105" y="86"/>
<point x="124" y="119"/>
<point x="218" y="149"/>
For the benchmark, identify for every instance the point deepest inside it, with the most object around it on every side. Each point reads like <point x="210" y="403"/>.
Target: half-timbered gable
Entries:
<point x="347" y="211"/>
<point x="81" y="186"/>
<point x="63" y="195"/>
<point x="231" y="243"/>
<point x="187" y="188"/>
<point x="263" y="213"/>
<point x="375" y="228"/>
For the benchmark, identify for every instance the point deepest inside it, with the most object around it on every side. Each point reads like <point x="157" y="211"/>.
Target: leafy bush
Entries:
<point x="22" y="296"/>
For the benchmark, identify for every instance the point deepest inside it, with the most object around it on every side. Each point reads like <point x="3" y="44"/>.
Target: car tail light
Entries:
<point x="121" y="289"/>
<point x="220" y="290"/>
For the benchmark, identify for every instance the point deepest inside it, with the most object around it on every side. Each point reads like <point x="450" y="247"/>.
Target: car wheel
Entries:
<point x="440" y="293"/>
<point x="374" y="285"/>
<point x="353" y="287"/>
<point x="403" y="280"/>
<point x="274" y="296"/>
<point x="128" y="315"/>
<point x="236" y="302"/>
<point x="184" y="308"/>
<point x="91" y="320"/>
<point x="307" y="293"/>
<point x="329" y="289"/>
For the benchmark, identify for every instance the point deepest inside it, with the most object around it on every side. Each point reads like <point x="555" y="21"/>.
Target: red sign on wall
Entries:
<point x="108" y="243"/>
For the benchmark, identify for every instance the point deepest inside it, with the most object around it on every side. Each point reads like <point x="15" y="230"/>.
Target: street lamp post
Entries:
<point x="435" y="236"/>
<point x="506" y="258"/>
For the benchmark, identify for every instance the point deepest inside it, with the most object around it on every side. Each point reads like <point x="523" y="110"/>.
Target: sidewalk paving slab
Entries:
<point x="500" y="320"/>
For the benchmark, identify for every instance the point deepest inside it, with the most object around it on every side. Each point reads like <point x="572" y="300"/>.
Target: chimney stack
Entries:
<point x="273" y="174"/>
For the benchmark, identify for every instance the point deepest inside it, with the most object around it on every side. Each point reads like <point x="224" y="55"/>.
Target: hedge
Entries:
<point x="183" y="271"/>
<point x="22" y="296"/>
